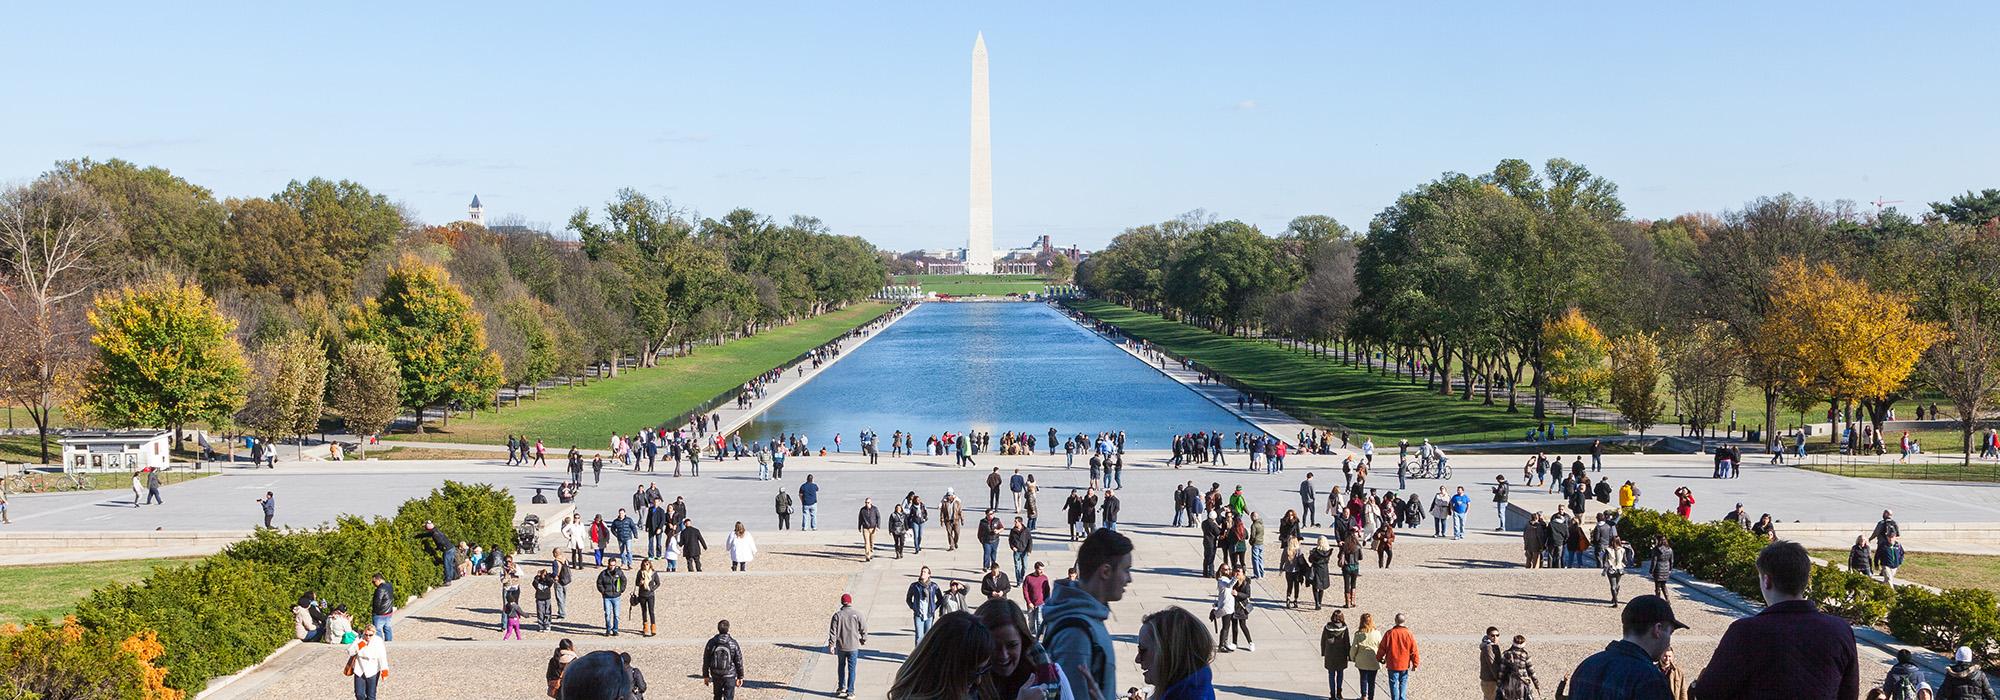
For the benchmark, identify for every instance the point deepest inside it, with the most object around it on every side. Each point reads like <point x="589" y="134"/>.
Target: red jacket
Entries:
<point x="1398" y="651"/>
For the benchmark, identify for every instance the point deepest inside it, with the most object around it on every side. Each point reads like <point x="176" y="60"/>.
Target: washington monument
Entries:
<point x="979" y="244"/>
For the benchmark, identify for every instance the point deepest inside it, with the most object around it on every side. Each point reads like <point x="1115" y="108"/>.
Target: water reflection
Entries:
<point x="949" y="367"/>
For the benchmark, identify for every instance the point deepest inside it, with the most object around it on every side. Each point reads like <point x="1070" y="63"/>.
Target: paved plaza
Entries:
<point x="448" y="644"/>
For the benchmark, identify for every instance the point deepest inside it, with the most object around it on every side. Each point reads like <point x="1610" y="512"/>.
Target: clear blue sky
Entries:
<point x="1103" y="116"/>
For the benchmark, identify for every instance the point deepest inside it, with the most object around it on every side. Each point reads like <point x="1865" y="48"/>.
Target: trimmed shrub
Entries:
<point x="1944" y="621"/>
<point x="1726" y="554"/>
<point x="1862" y="600"/>
<point x="231" y="610"/>
<point x="67" y="661"/>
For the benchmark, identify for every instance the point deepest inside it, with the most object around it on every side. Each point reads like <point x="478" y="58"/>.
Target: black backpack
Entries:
<point x="721" y="664"/>
<point x="563" y="577"/>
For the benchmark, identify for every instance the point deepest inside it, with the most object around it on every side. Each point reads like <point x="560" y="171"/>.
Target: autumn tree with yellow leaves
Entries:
<point x="1833" y="336"/>
<point x="1573" y="360"/>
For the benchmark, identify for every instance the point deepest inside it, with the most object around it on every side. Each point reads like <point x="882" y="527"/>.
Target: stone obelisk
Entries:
<point x="979" y="244"/>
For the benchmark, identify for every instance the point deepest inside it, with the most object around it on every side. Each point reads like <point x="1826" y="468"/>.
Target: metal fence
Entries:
<point x="1922" y="467"/>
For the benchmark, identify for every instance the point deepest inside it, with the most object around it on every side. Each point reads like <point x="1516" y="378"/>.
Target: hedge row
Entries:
<point x="229" y="611"/>
<point x="1726" y="554"/>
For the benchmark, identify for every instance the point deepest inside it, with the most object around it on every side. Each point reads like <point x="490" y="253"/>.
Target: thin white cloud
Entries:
<point x="1246" y="105"/>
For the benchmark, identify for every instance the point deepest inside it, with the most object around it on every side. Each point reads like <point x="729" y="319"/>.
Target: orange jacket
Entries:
<point x="1399" y="649"/>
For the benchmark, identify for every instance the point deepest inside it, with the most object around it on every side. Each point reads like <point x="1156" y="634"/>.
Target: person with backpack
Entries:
<point x="1964" y="680"/>
<point x="1516" y="677"/>
<point x="1074" y="635"/>
<point x="1903" y="678"/>
<point x="722" y="663"/>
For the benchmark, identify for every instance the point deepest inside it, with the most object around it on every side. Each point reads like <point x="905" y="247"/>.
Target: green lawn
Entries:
<point x="976" y="285"/>
<point x="1980" y="470"/>
<point x="1938" y="569"/>
<point x="50" y="590"/>
<point x="587" y="415"/>
<point x="1320" y="390"/>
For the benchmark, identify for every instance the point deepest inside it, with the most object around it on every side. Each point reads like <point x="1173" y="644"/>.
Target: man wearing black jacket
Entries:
<point x="691" y="545"/>
<point x="1211" y="537"/>
<point x="722" y="663"/>
<point x="656" y="528"/>
<point x="1019" y="540"/>
<point x="442" y="547"/>
<point x="989" y="540"/>
<point x="870" y="520"/>
<point x="382" y="606"/>
<point x="611" y="587"/>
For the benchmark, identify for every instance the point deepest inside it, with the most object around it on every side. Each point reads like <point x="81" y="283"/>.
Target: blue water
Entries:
<point x="953" y="367"/>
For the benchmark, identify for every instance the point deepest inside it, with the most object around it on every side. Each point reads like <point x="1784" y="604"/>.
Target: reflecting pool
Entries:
<point x="998" y="366"/>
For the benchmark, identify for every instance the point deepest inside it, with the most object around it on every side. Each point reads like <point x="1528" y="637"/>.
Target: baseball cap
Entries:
<point x="1650" y="609"/>
<point x="846" y="599"/>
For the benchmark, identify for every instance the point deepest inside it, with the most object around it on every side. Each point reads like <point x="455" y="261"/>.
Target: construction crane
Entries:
<point x="1880" y="202"/>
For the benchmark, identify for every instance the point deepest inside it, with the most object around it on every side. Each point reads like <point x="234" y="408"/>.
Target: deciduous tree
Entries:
<point x="290" y="388"/>
<point x="1703" y="363"/>
<point x="367" y="391"/>
<point x="1964" y="366"/>
<point x="166" y="357"/>
<point x="1573" y="357"/>
<point x="438" y="340"/>
<point x="52" y="232"/>
<point x="1830" y="335"/>
<point x="1636" y="372"/>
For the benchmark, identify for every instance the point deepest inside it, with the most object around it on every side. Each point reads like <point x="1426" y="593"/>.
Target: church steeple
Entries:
<point x="476" y="213"/>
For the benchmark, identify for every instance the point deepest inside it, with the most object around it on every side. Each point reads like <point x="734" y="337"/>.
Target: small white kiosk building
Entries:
<point x="116" y="450"/>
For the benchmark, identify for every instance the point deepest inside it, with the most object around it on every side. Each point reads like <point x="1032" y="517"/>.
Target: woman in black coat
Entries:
<point x="1321" y="558"/>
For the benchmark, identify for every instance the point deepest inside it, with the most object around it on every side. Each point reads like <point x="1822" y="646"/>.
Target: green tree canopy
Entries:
<point x="437" y="339"/>
<point x="165" y="358"/>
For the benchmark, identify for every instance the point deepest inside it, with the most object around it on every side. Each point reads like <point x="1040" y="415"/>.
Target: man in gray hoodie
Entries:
<point x="1073" y="628"/>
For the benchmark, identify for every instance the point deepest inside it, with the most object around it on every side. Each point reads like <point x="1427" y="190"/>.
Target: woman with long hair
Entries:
<point x="1367" y="640"/>
<point x="1174" y="652"/>
<point x="1350" y="566"/>
<point x="946" y="664"/>
<point x="1241" y="589"/>
<point x="1321" y="559"/>
<point x="1018" y="660"/>
<point x="645" y="583"/>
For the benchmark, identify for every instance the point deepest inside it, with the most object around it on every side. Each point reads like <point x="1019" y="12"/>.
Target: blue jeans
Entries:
<point x="1458" y="526"/>
<point x="992" y="553"/>
<point x="1399" y="685"/>
<point x="655" y="544"/>
<point x="365" y="686"/>
<point x="1596" y="463"/>
<point x="763" y="472"/>
<point x="809" y="517"/>
<point x="1368" y="684"/>
<point x="1020" y="564"/>
<point x="610" y="615"/>
<point x="625" y="553"/>
<point x="1500" y="511"/>
<point x="1256" y="561"/>
<point x="843" y="670"/>
<point x="923" y="627"/>
<point x="1436" y="524"/>
<point x="1333" y="682"/>
<point x="382" y="625"/>
<point x="917" y="536"/>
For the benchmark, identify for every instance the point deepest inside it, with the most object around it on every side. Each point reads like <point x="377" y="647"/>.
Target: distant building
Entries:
<point x="476" y="214"/>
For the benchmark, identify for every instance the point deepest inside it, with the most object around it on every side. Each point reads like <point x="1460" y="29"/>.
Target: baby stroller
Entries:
<point x="527" y="534"/>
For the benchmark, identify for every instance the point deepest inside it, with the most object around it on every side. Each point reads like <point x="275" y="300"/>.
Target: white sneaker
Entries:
<point x="1250" y="646"/>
